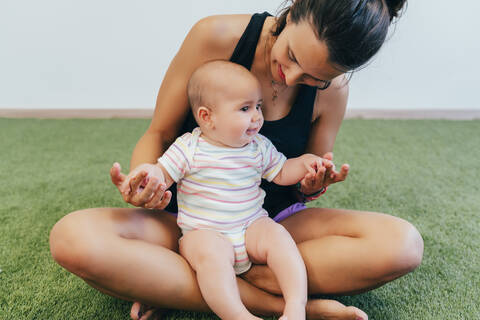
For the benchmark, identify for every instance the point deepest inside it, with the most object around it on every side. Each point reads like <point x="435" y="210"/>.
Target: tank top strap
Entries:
<point x="245" y="50"/>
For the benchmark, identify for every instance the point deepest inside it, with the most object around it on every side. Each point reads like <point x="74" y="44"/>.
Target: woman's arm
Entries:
<point x="206" y="41"/>
<point x="329" y="110"/>
<point x="209" y="39"/>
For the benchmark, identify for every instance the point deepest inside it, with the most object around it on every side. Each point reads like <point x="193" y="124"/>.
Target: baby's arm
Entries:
<point x="146" y="185"/>
<point x="295" y="169"/>
<point x="161" y="175"/>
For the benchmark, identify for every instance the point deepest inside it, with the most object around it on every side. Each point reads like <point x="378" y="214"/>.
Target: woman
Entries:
<point x="300" y="60"/>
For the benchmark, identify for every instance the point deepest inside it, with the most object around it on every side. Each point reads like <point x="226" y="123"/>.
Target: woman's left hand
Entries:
<point x="324" y="176"/>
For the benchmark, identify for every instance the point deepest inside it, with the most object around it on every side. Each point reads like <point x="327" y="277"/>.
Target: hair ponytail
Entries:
<point x="395" y="7"/>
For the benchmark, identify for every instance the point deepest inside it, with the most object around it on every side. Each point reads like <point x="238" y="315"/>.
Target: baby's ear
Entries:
<point x="204" y="115"/>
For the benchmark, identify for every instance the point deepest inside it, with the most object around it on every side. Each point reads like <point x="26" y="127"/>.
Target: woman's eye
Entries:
<point x="291" y="57"/>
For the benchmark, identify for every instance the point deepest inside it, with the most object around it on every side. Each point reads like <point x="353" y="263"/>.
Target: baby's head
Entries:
<point x="226" y="101"/>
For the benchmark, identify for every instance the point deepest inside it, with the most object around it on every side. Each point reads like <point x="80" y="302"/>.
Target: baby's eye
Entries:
<point x="245" y="108"/>
<point x="259" y="106"/>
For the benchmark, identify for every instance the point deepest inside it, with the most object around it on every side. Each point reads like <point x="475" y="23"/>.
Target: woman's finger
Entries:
<point x="328" y="156"/>
<point x="318" y="164"/>
<point x="328" y="164"/>
<point x="145" y="193"/>
<point x="167" y="196"/>
<point x="116" y="174"/>
<point x="136" y="181"/>
<point x="157" y="197"/>
<point x="342" y="175"/>
<point x="320" y="177"/>
<point x="329" y="171"/>
<point x="312" y="182"/>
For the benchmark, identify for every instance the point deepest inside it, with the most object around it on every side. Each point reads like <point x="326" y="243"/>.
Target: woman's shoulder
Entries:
<point x="220" y="32"/>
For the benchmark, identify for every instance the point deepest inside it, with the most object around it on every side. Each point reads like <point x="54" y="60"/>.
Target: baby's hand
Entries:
<point x="142" y="187"/>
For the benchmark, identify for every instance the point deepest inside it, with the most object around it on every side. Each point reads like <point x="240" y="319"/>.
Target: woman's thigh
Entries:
<point x="315" y="223"/>
<point x="348" y="251"/>
<point x="83" y="234"/>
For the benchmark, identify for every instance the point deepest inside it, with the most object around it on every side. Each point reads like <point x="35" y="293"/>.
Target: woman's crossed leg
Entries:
<point x="132" y="254"/>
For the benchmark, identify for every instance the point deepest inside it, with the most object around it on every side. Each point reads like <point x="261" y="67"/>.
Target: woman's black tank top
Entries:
<point x="289" y="134"/>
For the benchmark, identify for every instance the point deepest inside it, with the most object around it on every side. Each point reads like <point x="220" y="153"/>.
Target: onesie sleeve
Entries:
<point x="176" y="159"/>
<point x="273" y="160"/>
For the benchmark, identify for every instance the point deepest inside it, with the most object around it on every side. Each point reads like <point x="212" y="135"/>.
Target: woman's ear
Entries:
<point x="204" y="115"/>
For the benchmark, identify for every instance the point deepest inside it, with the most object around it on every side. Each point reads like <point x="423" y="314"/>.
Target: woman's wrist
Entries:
<point x="310" y="197"/>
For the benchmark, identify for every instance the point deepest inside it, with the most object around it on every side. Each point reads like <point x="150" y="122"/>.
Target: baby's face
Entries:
<point x="237" y="114"/>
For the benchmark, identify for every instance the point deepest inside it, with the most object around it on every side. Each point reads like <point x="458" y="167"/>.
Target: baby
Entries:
<point x="218" y="169"/>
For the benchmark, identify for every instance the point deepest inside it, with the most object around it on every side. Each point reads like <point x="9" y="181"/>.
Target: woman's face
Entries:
<point x="299" y="57"/>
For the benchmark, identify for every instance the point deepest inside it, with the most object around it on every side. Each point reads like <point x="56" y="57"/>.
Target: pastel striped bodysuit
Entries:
<point x="218" y="188"/>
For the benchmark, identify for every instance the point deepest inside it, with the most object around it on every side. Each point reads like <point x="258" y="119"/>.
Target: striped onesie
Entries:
<point x="219" y="187"/>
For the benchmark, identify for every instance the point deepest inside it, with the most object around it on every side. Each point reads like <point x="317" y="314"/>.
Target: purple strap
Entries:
<point x="285" y="213"/>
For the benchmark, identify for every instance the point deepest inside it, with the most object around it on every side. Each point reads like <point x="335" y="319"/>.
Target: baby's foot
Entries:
<point x="143" y="312"/>
<point x="333" y="310"/>
<point x="293" y="311"/>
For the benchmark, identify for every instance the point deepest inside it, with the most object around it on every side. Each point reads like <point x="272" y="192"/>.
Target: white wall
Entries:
<point x="430" y="62"/>
<point x="113" y="54"/>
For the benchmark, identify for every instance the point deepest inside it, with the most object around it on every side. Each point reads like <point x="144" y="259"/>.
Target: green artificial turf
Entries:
<point x="427" y="172"/>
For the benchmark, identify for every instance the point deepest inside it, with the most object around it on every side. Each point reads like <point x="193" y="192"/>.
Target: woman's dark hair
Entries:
<point x="353" y="30"/>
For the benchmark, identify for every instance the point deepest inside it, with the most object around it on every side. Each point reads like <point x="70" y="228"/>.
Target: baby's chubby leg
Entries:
<point x="211" y="255"/>
<point x="269" y="242"/>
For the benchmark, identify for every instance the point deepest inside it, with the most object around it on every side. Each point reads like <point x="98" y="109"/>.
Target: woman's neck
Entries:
<point x="277" y="98"/>
<point x="261" y="61"/>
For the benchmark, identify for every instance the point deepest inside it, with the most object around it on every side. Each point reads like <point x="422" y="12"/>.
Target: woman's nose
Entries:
<point x="293" y="75"/>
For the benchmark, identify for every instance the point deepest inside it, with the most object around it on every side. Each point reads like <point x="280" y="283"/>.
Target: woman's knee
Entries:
<point x="405" y="249"/>
<point x="413" y="248"/>
<point x="73" y="243"/>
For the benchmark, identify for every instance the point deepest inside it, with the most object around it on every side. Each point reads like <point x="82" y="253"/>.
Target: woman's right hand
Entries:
<point x="142" y="187"/>
<point x="325" y="175"/>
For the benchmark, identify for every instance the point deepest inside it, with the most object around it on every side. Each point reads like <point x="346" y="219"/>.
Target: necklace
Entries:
<point x="275" y="91"/>
<point x="274" y="85"/>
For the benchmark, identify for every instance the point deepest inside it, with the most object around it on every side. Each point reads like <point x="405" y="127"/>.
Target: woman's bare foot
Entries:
<point x="142" y="312"/>
<point x="321" y="309"/>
